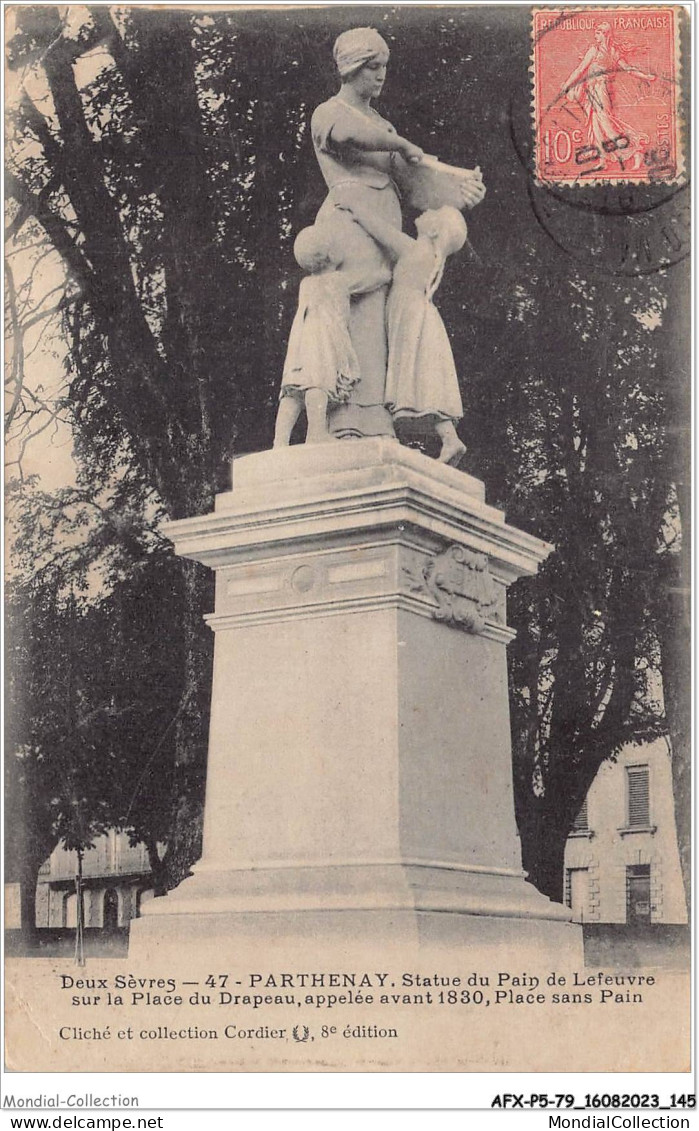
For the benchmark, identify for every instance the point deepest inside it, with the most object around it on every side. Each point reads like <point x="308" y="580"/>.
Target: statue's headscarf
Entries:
<point x="356" y="47"/>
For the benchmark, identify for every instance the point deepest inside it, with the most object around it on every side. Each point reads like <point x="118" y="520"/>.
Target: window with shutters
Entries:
<point x="638" y="797"/>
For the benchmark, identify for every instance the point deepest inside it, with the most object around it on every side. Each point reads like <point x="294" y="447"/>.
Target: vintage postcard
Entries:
<point x="347" y="595"/>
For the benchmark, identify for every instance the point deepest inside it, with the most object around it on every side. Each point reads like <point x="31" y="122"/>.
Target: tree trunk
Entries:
<point x="184" y="842"/>
<point x="675" y="642"/>
<point x="545" y="824"/>
<point x="673" y="602"/>
<point x="543" y="854"/>
<point x="28" y="886"/>
<point x="156" y="866"/>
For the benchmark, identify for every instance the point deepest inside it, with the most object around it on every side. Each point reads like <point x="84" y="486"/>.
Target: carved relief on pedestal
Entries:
<point x="460" y="583"/>
<point x="305" y="577"/>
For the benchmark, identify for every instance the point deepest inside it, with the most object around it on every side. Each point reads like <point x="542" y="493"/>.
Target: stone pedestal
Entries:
<point x="359" y="779"/>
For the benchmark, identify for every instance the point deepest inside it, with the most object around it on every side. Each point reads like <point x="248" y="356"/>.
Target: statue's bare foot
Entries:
<point x="453" y="451"/>
<point x="318" y="437"/>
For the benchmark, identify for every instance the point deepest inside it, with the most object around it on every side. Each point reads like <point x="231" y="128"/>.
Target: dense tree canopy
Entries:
<point x="165" y="155"/>
<point x="94" y="687"/>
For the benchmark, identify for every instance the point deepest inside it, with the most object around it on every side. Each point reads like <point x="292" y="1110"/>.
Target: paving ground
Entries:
<point x="610" y="945"/>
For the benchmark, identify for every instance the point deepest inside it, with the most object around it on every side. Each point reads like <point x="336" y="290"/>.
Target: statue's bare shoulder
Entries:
<point x="323" y="119"/>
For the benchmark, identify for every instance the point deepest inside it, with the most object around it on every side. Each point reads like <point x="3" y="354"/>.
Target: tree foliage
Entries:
<point x="94" y="690"/>
<point x="168" y="162"/>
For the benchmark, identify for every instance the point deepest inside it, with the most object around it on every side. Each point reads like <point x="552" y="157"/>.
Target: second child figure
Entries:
<point x="421" y="380"/>
<point x="321" y="365"/>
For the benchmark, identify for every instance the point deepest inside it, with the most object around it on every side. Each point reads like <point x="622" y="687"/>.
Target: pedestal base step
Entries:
<point x="323" y="940"/>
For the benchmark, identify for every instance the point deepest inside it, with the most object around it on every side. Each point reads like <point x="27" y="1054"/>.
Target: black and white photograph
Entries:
<point x="347" y="526"/>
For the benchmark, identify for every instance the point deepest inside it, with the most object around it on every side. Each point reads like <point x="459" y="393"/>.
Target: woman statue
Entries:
<point x="361" y="151"/>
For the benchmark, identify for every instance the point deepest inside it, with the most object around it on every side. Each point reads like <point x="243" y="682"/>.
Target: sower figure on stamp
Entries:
<point x="590" y="86"/>
<point x="361" y="152"/>
<point x="421" y="381"/>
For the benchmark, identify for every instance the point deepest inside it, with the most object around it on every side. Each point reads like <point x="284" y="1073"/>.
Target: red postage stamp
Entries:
<point x="606" y="95"/>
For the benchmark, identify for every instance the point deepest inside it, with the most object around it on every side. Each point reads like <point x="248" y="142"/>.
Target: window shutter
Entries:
<point x="639" y="797"/>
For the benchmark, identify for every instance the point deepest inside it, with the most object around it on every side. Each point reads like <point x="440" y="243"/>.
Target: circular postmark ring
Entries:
<point x="617" y="244"/>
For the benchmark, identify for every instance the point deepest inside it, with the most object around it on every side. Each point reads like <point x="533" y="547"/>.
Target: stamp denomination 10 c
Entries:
<point x="606" y="95"/>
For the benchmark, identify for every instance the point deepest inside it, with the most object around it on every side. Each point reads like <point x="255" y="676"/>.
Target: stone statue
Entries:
<point x="364" y="159"/>
<point x="421" y="381"/>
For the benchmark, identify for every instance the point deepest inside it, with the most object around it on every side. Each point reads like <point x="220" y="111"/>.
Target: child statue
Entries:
<point x="421" y="381"/>
<point x="321" y="365"/>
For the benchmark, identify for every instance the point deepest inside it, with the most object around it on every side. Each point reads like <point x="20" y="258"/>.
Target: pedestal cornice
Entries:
<point x="332" y="494"/>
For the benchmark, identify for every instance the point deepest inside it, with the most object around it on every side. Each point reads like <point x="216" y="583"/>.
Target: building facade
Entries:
<point x="621" y="860"/>
<point x="116" y="882"/>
